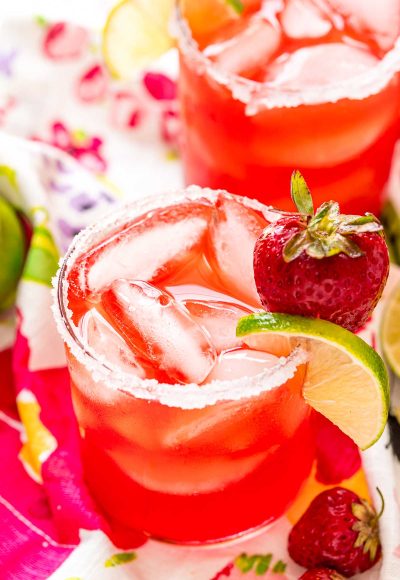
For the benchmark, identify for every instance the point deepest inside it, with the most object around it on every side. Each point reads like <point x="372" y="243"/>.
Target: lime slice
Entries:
<point x="12" y="251"/>
<point x="346" y="379"/>
<point x="390" y="330"/>
<point x="135" y="34"/>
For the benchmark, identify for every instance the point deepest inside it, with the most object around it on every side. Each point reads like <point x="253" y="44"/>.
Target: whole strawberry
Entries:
<point x="338" y="530"/>
<point x="321" y="574"/>
<point x="324" y="265"/>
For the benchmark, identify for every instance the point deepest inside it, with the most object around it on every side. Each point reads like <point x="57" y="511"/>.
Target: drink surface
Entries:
<point x="300" y="44"/>
<point x="320" y="99"/>
<point x="158" y="297"/>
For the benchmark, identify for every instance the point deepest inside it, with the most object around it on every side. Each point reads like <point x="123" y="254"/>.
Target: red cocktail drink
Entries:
<point x="308" y="84"/>
<point x="187" y="433"/>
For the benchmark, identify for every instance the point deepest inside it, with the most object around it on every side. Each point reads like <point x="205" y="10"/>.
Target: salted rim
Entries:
<point x="258" y="96"/>
<point x="190" y="396"/>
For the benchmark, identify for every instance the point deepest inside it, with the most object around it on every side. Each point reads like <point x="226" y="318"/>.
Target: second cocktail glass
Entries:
<point x="292" y="84"/>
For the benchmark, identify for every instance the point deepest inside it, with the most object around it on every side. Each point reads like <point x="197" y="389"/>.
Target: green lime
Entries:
<point x="12" y="251"/>
<point x="42" y="260"/>
<point x="390" y="330"/>
<point x="346" y="379"/>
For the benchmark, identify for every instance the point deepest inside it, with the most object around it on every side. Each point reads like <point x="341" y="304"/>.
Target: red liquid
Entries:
<point x="271" y="443"/>
<point x="188" y="474"/>
<point x="343" y="148"/>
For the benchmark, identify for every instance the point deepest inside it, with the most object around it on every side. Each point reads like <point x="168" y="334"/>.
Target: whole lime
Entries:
<point x="12" y="252"/>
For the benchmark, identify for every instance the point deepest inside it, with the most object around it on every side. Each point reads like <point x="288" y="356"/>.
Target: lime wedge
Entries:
<point x="390" y="330"/>
<point x="135" y="34"/>
<point x="12" y="252"/>
<point x="346" y="379"/>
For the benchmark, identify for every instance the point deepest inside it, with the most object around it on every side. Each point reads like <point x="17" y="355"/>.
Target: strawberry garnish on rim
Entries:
<point x="327" y="232"/>
<point x="321" y="264"/>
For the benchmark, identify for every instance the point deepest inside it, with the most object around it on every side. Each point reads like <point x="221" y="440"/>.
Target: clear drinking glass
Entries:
<point x="247" y="135"/>
<point x="184" y="463"/>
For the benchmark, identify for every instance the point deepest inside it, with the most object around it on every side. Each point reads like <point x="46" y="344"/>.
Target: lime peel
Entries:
<point x="346" y="379"/>
<point x="135" y="34"/>
<point x="390" y="331"/>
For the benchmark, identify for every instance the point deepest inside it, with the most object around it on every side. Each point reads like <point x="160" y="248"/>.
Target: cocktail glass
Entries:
<point x="245" y="133"/>
<point x="183" y="462"/>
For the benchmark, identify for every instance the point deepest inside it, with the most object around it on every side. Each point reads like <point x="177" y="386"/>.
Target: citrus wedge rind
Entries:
<point x="135" y="34"/>
<point x="390" y="330"/>
<point x="346" y="379"/>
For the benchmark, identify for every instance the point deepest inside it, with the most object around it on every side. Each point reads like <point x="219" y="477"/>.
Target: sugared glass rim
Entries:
<point x="258" y="96"/>
<point x="189" y="396"/>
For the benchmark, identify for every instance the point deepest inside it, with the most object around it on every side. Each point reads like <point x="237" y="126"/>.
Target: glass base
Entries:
<point x="219" y="543"/>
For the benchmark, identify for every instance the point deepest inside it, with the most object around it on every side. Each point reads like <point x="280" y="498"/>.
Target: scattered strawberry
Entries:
<point x="321" y="574"/>
<point x="326" y="265"/>
<point x="338" y="530"/>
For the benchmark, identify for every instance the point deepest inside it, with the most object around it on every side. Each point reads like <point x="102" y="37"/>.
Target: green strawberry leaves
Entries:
<point x="326" y="232"/>
<point x="300" y="194"/>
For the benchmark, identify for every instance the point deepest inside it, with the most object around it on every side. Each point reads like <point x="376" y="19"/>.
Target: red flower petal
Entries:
<point x="93" y="84"/>
<point x="64" y="40"/>
<point x="126" y="111"/>
<point x="160" y="86"/>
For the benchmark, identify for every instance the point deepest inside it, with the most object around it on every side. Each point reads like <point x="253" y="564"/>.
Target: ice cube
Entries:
<point x="239" y="363"/>
<point x="197" y="473"/>
<point x="232" y="236"/>
<point x="247" y="51"/>
<point x="378" y="21"/>
<point x="106" y="342"/>
<point x="228" y="426"/>
<point x="304" y="19"/>
<point x="147" y="249"/>
<point x="320" y="65"/>
<point x="219" y="319"/>
<point x="159" y="329"/>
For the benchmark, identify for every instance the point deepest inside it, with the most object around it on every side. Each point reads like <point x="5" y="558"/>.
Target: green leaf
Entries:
<point x="245" y="563"/>
<point x="300" y="194"/>
<point x="237" y="5"/>
<point x="41" y="20"/>
<point x="348" y="247"/>
<point x="296" y="246"/>
<point x="120" y="558"/>
<point x="326" y="218"/>
<point x="360" y="220"/>
<point x="263" y="564"/>
<point x="279" y="567"/>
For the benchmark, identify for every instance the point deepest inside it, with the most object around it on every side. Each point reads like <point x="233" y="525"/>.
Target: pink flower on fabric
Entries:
<point x="160" y="86"/>
<point x="65" y="41"/>
<point x="126" y="110"/>
<point x="170" y="127"/>
<point x="87" y="150"/>
<point x="5" y="107"/>
<point x="93" y="84"/>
